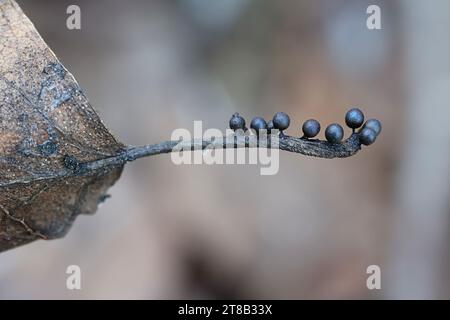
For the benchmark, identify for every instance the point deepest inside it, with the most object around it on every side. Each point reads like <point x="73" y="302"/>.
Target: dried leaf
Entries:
<point x="47" y="127"/>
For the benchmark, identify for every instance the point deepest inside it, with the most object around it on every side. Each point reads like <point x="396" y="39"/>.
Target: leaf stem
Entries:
<point x="307" y="147"/>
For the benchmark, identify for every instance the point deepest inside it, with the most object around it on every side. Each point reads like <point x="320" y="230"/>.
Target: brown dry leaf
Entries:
<point x="45" y="123"/>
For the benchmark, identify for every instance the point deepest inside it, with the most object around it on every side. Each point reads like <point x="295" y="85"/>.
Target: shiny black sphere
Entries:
<point x="334" y="133"/>
<point x="270" y="125"/>
<point x="258" y="123"/>
<point x="373" y="124"/>
<point x="354" y="118"/>
<point x="281" y="121"/>
<point x="367" y="136"/>
<point x="237" y="122"/>
<point x="311" y="128"/>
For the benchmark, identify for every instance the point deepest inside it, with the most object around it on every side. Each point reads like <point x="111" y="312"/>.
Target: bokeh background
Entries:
<point x="310" y="231"/>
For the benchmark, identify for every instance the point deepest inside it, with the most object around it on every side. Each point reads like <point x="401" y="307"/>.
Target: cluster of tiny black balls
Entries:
<point x="334" y="133"/>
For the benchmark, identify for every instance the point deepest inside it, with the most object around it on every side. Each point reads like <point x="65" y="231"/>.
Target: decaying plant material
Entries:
<point x="57" y="159"/>
<point x="44" y="118"/>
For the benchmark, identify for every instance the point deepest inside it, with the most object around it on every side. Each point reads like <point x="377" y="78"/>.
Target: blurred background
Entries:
<point x="309" y="231"/>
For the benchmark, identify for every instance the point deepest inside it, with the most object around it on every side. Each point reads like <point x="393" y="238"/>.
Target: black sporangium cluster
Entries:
<point x="334" y="133"/>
